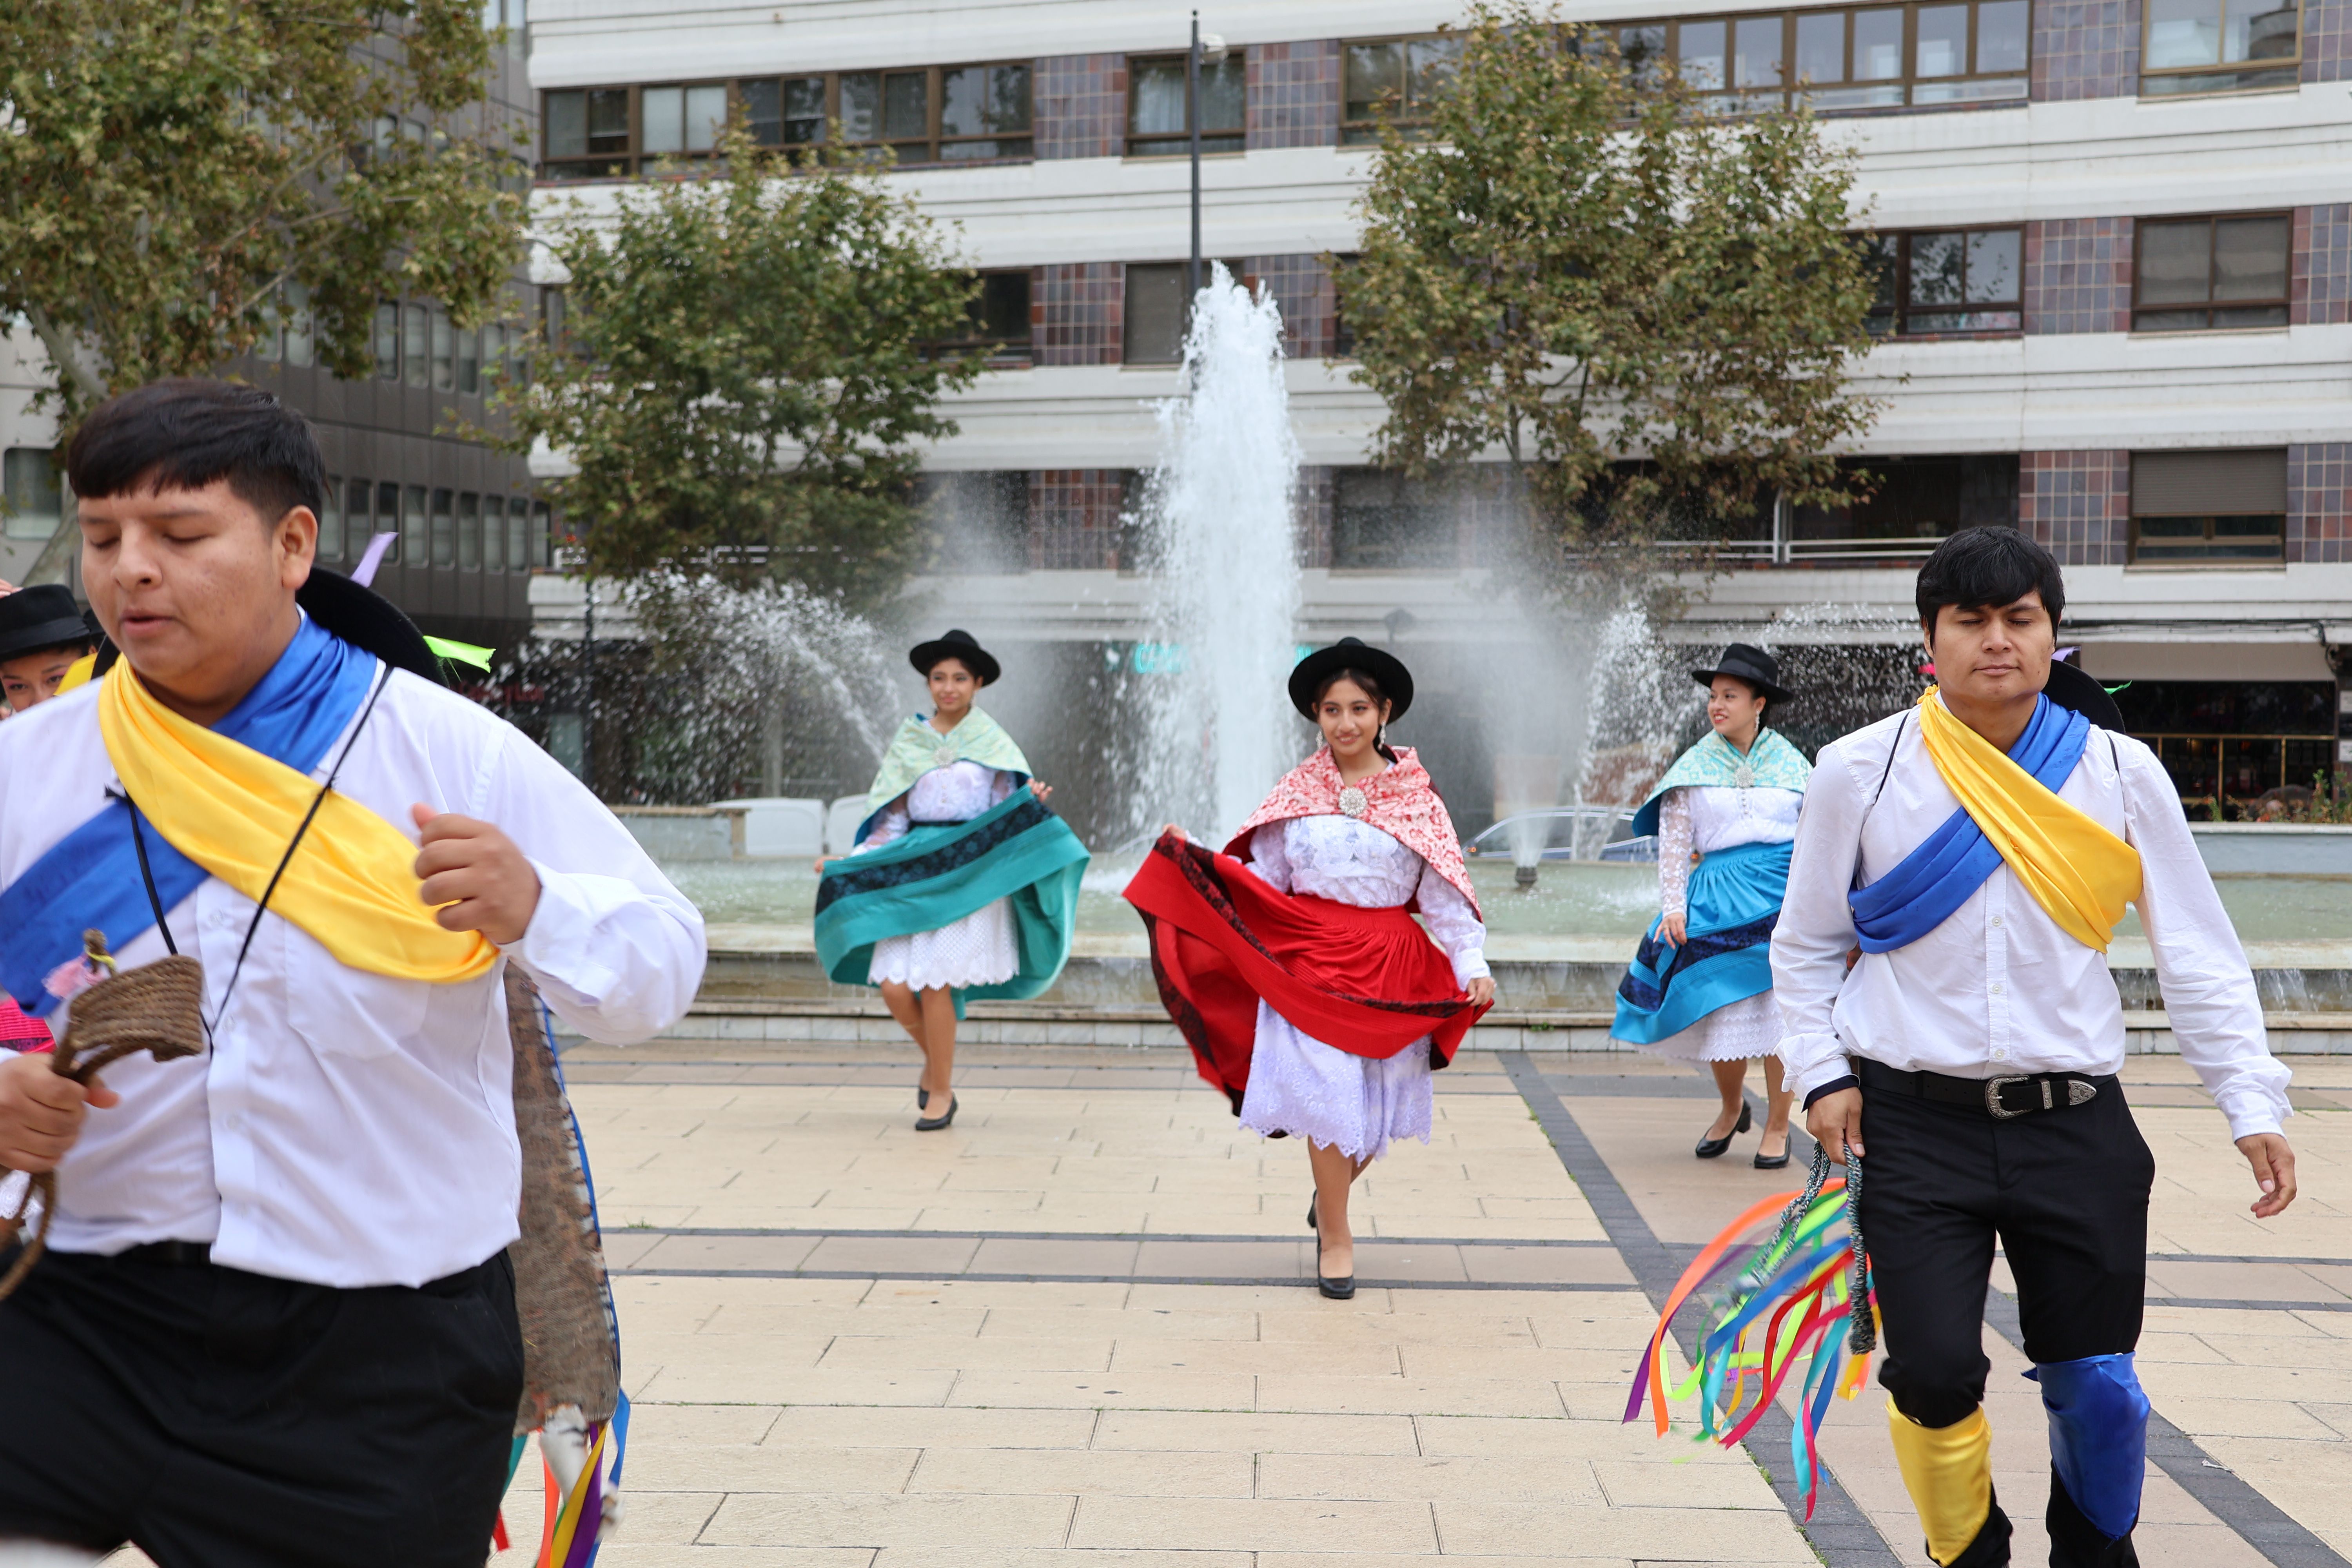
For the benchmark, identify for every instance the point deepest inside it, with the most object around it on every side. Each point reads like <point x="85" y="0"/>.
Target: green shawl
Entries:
<point x="918" y="748"/>
<point x="1771" y="762"/>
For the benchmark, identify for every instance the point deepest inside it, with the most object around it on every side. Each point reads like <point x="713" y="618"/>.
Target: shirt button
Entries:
<point x="234" y="1121"/>
<point x="1995" y="987"/>
<point x="1999" y="1053"/>
<point x="1995" y="922"/>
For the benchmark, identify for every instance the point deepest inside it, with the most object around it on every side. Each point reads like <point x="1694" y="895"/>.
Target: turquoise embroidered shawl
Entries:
<point x="918" y="748"/>
<point x="1772" y="763"/>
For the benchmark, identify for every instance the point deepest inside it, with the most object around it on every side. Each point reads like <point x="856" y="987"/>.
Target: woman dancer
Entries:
<point x="1700" y="989"/>
<point x="962" y="884"/>
<point x="1300" y="981"/>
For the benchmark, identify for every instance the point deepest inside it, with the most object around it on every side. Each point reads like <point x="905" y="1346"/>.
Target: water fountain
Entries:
<point x="1221" y="518"/>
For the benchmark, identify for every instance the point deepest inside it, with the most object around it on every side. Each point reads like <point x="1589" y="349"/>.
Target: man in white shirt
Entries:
<point x="1979" y="850"/>
<point x="276" y="1322"/>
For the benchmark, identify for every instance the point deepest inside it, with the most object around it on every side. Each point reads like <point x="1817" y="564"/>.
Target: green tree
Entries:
<point x="742" y="376"/>
<point x="172" y="166"/>
<point x="1649" y="310"/>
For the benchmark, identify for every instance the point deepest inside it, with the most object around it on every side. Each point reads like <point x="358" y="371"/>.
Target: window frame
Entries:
<point x="1365" y="133"/>
<point x="996" y="354"/>
<point x="2288" y="72"/>
<point x="1730" y="100"/>
<point x="929" y="150"/>
<point x="1231" y="141"/>
<point x="1901" y="307"/>
<point x="2284" y="304"/>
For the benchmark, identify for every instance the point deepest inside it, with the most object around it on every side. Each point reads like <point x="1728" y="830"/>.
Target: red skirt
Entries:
<point x="1368" y="982"/>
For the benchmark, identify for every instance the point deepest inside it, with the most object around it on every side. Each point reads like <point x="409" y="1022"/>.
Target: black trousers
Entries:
<point x="218" y="1419"/>
<point x="2066" y="1192"/>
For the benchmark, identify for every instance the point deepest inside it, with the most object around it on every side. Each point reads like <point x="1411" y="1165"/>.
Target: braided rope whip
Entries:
<point x="1862" y="1333"/>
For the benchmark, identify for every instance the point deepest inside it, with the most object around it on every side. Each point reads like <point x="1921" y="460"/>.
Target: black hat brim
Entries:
<point x="1395" y="680"/>
<point x="2069" y="686"/>
<point x="978" y="659"/>
<point x="46" y="634"/>
<point x="368" y="621"/>
<point x="1748" y="678"/>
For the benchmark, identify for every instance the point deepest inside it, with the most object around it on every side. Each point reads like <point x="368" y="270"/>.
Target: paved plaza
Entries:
<point x="1075" y="1332"/>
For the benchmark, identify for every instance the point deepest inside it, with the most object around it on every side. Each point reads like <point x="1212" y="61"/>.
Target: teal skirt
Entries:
<point x="939" y="873"/>
<point x="1732" y="903"/>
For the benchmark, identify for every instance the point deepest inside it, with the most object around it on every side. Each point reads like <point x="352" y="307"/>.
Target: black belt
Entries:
<point x="2004" y="1098"/>
<point x="173" y="1253"/>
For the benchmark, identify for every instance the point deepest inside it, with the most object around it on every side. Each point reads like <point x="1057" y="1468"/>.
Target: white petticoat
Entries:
<point x="1356" y="1104"/>
<point x="974" y="951"/>
<point x="1735" y="1032"/>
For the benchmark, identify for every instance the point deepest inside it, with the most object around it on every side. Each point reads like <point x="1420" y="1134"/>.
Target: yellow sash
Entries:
<point x="2081" y="874"/>
<point x="353" y="885"/>
<point x="78" y="673"/>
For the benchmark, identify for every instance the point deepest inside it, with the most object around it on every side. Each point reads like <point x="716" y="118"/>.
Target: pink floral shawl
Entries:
<point x="1399" y="801"/>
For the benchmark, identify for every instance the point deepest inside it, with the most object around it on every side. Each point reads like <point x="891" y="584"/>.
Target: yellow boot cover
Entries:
<point x="233" y="811"/>
<point x="1948" y="1472"/>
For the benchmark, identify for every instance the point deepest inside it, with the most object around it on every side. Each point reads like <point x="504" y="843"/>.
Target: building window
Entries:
<point x="445" y="351"/>
<point x="2196" y="273"/>
<point x="1947" y="280"/>
<point x="519" y="552"/>
<point x="680" y="121"/>
<point x="414" y="548"/>
<point x="35" y="492"/>
<point x="999" y="322"/>
<point x="387" y="342"/>
<point x="494" y="533"/>
<point x="1156" y="125"/>
<point x="359" y="524"/>
<point x="1914" y="502"/>
<point x="979" y="521"/>
<point x="1870" y="57"/>
<point x="2219" y="46"/>
<point x="929" y="114"/>
<point x="2208" y="507"/>
<point x="300" y="334"/>
<point x="470" y="360"/>
<point x="389" y="520"/>
<point x="1396" y="80"/>
<point x="542" y="536"/>
<point x="1383" y="521"/>
<point x="445" y="528"/>
<point x="1159" y="310"/>
<point x="415" y="345"/>
<point x="587" y="132"/>
<point x="331" y="521"/>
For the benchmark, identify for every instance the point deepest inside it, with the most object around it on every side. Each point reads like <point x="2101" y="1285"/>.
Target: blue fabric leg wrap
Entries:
<point x="2098" y="1435"/>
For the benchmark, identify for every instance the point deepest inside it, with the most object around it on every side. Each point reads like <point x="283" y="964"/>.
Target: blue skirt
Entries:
<point x="1731" y="905"/>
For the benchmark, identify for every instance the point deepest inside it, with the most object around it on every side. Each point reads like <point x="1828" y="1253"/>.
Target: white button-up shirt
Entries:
<point x="1999" y="987"/>
<point x="345" y="1128"/>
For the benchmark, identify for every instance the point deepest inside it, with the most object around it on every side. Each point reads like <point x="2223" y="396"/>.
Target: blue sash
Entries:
<point x="1953" y="862"/>
<point x="90" y="878"/>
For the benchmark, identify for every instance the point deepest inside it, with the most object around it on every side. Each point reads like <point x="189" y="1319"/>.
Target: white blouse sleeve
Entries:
<point x="1454" y="925"/>
<point x="1270" y="856"/>
<point x="1673" y="850"/>
<point x="1002" y="790"/>
<point x="892" y="824"/>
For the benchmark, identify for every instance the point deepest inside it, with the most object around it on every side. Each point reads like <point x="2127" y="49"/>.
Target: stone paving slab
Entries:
<point x="1081" y="1336"/>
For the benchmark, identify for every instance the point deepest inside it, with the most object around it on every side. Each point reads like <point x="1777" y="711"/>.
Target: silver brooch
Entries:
<point x="1743" y="777"/>
<point x="943" y="757"/>
<point x="1352" y="802"/>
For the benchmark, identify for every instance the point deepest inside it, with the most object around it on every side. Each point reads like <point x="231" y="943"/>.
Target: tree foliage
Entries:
<point x="1649" y="310"/>
<point x="172" y="165"/>
<point x="742" y="376"/>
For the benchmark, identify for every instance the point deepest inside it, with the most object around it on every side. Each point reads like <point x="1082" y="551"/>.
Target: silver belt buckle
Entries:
<point x="1992" y="1089"/>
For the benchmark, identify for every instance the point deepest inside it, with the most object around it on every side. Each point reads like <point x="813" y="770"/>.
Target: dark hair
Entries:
<point x="1986" y="568"/>
<point x="187" y="432"/>
<point x="1370" y="689"/>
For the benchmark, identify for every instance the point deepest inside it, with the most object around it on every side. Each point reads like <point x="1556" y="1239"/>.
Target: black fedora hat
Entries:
<point x="955" y="644"/>
<point x="355" y="613"/>
<point x="2071" y="686"/>
<point x="1386" y="668"/>
<point x="1752" y="665"/>
<point x="44" y="616"/>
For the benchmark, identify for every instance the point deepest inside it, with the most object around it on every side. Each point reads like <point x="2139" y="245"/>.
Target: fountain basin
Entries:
<point x="2275" y="848"/>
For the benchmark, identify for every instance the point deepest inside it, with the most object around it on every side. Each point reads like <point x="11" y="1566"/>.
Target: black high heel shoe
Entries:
<point x="1713" y="1148"/>
<point x="1775" y="1162"/>
<point x="933" y="1123"/>
<point x="1310" y="1218"/>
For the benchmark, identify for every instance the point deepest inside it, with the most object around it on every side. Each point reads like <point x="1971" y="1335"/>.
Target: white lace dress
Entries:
<point x="1297" y="1084"/>
<point x="1706" y="818"/>
<point x="976" y="950"/>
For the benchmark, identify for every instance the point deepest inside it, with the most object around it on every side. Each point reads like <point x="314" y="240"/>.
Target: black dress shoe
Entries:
<point x="1338" y="1289"/>
<point x="1311" y="1218"/>
<point x="933" y="1123"/>
<point x="1772" y="1162"/>
<point x="922" y="1097"/>
<point x="1713" y="1148"/>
